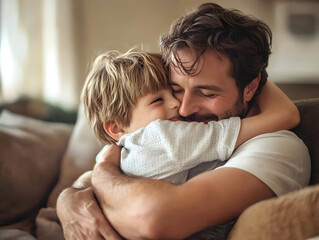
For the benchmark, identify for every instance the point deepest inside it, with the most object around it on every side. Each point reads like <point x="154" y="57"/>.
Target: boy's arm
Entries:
<point x="277" y="112"/>
<point x="166" y="150"/>
<point x="79" y="213"/>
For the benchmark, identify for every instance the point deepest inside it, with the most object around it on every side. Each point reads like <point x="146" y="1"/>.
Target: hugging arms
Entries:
<point x="278" y="112"/>
<point x="160" y="208"/>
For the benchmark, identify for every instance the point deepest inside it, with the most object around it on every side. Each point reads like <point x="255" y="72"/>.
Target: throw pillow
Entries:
<point x="79" y="156"/>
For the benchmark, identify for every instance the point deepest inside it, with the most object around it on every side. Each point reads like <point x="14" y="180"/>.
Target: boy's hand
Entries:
<point x="81" y="216"/>
<point x="112" y="155"/>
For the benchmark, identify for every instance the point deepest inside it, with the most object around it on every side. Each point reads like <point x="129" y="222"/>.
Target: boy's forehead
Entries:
<point x="150" y="95"/>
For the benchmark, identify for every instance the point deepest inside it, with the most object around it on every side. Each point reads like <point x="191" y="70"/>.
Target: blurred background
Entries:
<point x="47" y="46"/>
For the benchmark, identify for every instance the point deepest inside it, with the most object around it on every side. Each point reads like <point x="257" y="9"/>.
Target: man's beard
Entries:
<point x="239" y="109"/>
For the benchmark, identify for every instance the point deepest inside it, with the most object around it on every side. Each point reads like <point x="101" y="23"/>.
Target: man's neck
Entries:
<point x="253" y="110"/>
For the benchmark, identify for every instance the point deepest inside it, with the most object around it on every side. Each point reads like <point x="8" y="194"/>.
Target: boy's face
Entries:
<point x="161" y="105"/>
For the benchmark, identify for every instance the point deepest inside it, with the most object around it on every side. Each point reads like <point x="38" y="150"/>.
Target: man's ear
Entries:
<point x="113" y="130"/>
<point x="251" y="88"/>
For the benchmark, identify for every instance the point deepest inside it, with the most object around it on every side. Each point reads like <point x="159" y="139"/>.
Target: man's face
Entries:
<point x="209" y="94"/>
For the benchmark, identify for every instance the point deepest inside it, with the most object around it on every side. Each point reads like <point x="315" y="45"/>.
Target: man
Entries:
<point x="217" y="61"/>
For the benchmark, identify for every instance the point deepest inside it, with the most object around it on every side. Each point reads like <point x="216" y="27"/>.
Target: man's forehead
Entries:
<point x="185" y="57"/>
<point x="186" y="63"/>
<point x="211" y="67"/>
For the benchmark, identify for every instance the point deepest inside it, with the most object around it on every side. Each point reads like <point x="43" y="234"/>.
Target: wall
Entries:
<point x="53" y="42"/>
<point x="296" y="42"/>
<point x="122" y="24"/>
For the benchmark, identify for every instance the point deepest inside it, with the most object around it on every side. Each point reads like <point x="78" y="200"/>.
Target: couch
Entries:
<point x="38" y="159"/>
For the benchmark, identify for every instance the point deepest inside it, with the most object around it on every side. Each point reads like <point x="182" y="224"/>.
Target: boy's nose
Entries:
<point x="174" y="103"/>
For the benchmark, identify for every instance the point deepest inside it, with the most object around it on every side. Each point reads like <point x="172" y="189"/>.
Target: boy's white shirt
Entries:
<point x="168" y="150"/>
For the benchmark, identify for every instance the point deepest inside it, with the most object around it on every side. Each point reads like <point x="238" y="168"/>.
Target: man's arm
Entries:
<point x="150" y="209"/>
<point x="79" y="213"/>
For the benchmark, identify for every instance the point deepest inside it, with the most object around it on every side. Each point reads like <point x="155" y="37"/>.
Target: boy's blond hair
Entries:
<point x="115" y="83"/>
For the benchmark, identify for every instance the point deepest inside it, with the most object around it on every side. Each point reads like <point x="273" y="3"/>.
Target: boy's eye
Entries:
<point x="157" y="100"/>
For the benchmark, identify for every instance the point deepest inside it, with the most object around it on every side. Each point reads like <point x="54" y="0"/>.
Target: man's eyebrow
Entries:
<point x="209" y="87"/>
<point x="206" y="87"/>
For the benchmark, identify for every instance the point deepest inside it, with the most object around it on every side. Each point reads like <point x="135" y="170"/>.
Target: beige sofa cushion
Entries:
<point x="292" y="216"/>
<point x="30" y="155"/>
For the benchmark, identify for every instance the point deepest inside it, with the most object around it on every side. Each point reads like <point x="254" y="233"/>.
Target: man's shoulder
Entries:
<point x="279" y="159"/>
<point x="279" y="141"/>
<point x="281" y="135"/>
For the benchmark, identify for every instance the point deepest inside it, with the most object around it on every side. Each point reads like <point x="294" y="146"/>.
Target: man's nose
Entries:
<point x="187" y="106"/>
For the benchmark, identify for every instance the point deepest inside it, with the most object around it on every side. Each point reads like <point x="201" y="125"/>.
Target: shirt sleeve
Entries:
<point x="280" y="159"/>
<point x="165" y="148"/>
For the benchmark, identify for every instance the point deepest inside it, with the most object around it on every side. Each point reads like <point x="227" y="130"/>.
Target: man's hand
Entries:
<point x="81" y="216"/>
<point x="109" y="165"/>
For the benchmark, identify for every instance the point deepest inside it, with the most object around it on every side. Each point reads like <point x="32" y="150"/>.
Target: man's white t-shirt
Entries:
<point x="281" y="160"/>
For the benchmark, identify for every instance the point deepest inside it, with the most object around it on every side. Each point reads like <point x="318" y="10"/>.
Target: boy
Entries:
<point x="128" y="101"/>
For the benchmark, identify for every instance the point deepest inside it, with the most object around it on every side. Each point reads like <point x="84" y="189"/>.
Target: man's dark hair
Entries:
<point x="243" y="39"/>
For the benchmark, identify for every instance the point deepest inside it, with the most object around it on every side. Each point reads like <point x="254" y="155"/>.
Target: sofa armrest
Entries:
<point x="308" y="131"/>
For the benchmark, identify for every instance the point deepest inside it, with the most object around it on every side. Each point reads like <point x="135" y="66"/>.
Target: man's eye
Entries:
<point x="177" y="91"/>
<point x="209" y="95"/>
<point x="157" y="100"/>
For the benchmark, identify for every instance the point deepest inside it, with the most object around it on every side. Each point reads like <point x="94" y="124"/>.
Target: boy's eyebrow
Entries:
<point x="173" y="83"/>
<point x="206" y="87"/>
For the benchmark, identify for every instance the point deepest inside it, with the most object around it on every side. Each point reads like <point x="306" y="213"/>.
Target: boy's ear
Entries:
<point x="251" y="88"/>
<point x="113" y="130"/>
